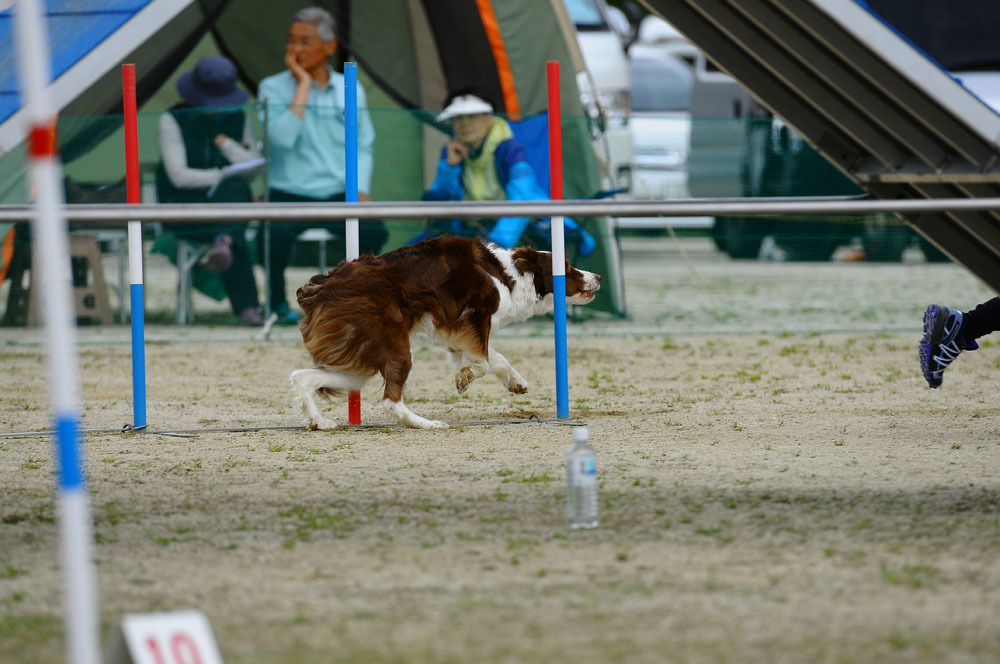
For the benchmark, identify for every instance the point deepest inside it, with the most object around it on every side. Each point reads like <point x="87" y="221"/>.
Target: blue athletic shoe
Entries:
<point x="942" y="342"/>
<point x="285" y="315"/>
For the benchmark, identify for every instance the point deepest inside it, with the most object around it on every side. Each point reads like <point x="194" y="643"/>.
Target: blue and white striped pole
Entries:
<point x="558" y="242"/>
<point x="134" y="197"/>
<point x="351" y="229"/>
<point x="351" y="154"/>
<point x="53" y="286"/>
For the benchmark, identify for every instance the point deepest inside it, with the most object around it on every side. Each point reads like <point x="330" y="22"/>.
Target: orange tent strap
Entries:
<point x="492" y="26"/>
<point x="6" y="253"/>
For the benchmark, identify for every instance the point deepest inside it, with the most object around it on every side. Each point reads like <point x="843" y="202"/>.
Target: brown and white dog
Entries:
<point x="360" y="317"/>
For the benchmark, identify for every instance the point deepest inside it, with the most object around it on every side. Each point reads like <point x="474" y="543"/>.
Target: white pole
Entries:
<point x="53" y="288"/>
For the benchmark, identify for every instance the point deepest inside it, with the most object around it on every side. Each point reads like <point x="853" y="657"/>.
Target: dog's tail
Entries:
<point x="310" y="295"/>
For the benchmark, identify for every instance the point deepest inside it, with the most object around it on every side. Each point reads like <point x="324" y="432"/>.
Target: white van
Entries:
<point x="605" y="88"/>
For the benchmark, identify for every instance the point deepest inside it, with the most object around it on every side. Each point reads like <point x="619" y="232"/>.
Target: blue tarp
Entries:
<point x="75" y="28"/>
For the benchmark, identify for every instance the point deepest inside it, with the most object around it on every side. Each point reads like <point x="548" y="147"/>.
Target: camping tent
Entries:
<point x="412" y="51"/>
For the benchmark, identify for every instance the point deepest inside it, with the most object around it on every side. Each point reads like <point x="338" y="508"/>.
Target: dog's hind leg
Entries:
<point x="507" y="374"/>
<point x="474" y="342"/>
<point x="395" y="372"/>
<point x="306" y="382"/>
<point x="473" y="370"/>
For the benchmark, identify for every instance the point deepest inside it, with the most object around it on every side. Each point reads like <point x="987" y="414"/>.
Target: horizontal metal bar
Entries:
<point x="193" y="213"/>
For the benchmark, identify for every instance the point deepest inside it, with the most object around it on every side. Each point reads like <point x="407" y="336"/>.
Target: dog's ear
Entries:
<point x="539" y="265"/>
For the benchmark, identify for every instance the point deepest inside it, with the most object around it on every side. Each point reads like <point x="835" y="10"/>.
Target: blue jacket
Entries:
<point x="519" y="183"/>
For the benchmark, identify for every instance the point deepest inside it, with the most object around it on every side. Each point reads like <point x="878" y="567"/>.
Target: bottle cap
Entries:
<point x="580" y="435"/>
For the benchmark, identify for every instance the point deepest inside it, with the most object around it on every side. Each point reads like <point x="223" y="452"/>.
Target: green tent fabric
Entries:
<point x="410" y="54"/>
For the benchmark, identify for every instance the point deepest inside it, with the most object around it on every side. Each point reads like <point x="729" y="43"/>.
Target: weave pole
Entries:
<point x="558" y="246"/>
<point x="351" y="230"/>
<point x="133" y="197"/>
<point x="81" y="617"/>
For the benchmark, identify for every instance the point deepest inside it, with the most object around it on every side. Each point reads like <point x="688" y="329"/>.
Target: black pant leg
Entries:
<point x="982" y="320"/>
<point x="238" y="280"/>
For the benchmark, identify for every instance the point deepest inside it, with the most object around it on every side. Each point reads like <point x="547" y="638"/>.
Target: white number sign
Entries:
<point x="177" y="637"/>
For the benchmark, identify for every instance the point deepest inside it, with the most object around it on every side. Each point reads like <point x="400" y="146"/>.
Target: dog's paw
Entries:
<point x="463" y="379"/>
<point x="417" y="422"/>
<point x="517" y="384"/>
<point x="322" y="424"/>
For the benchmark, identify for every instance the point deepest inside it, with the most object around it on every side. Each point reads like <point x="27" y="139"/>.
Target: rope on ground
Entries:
<point x="194" y="433"/>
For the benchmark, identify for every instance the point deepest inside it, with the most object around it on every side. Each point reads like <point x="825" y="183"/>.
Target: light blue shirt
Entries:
<point x="307" y="154"/>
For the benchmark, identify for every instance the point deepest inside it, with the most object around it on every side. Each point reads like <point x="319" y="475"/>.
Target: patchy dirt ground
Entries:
<point x="790" y="496"/>
<point x="763" y="499"/>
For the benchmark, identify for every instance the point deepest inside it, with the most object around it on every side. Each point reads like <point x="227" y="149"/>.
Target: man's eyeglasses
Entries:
<point x="310" y="42"/>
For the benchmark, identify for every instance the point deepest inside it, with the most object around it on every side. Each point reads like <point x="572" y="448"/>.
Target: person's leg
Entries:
<point x="218" y="257"/>
<point x="282" y="240"/>
<point x="238" y="280"/>
<point x="982" y="320"/>
<point x="280" y="252"/>
<point x="948" y="332"/>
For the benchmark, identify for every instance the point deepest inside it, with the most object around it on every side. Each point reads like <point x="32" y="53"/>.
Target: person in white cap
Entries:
<point x="483" y="161"/>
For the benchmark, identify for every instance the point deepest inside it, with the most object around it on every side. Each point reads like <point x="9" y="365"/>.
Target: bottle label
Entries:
<point x="585" y="471"/>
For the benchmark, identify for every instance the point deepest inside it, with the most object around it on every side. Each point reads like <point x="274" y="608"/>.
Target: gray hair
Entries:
<point x="325" y="25"/>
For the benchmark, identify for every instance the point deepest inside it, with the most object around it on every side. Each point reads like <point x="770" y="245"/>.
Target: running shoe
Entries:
<point x="942" y="342"/>
<point x="285" y="315"/>
<point x="251" y="316"/>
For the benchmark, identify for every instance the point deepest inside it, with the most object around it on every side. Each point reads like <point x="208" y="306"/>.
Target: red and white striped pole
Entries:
<point x="558" y="241"/>
<point x="136" y="296"/>
<point x="351" y="229"/>
<point x="53" y="286"/>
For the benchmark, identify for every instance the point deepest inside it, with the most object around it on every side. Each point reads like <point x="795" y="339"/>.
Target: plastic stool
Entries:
<point x="89" y="289"/>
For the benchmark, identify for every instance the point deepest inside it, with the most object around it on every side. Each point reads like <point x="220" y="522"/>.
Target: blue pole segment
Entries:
<point x="562" y="376"/>
<point x="351" y="129"/>
<point x="68" y="451"/>
<point x="138" y="357"/>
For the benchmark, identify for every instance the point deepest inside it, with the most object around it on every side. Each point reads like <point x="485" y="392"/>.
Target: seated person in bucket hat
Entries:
<point x="483" y="161"/>
<point x="198" y="137"/>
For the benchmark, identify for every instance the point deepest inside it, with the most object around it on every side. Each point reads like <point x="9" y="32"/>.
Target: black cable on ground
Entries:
<point x="192" y="433"/>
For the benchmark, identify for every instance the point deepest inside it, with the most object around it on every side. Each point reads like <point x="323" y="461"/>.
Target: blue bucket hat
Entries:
<point x="212" y="82"/>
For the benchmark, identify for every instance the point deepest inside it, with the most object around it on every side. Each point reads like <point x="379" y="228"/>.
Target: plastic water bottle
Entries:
<point x="581" y="482"/>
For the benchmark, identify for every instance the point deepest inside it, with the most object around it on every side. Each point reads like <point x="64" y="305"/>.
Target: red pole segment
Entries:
<point x="555" y="133"/>
<point x="132" y="185"/>
<point x="354" y="407"/>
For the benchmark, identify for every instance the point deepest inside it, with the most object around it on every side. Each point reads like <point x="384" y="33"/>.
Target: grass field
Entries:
<point x="777" y="485"/>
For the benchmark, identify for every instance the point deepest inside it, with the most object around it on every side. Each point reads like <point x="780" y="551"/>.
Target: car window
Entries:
<point x="661" y="85"/>
<point x="586" y="15"/>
